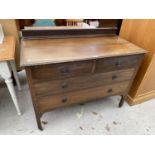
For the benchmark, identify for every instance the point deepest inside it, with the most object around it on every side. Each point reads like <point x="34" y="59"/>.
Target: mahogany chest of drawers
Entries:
<point x="63" y="72"/>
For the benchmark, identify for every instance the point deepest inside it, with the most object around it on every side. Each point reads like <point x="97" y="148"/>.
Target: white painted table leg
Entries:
<point x="6" y="74"/>
<point x="9" y="84"/>
<point x="14" y="70"/>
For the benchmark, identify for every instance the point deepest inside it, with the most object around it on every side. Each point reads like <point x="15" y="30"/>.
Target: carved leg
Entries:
<point x="6" y="75"/>
<point x="121" y="101"/>
<point x="13" y="68"/>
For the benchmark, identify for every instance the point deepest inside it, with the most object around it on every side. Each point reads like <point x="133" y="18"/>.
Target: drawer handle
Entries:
<point x="64" y="99"/>
<point x="109" y="90"/>
<point x="64" y="85"/>
<point x="114" y="77"/>
<point x="64" y="70"/>
<point x="118" y="63"/>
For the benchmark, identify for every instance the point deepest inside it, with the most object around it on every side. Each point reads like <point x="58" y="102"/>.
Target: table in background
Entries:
<point x="7" y="64"/>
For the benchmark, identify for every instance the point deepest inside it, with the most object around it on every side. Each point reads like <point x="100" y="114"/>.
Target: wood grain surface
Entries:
<point x="47" y="51"/>
<point x="49" y="102"/>
<point x="142" y="33"/>
<point x="10" y="27"/>
<point x="44" y="87"/>
<point x="7" y="49"/>
<point x="64" y="72"/>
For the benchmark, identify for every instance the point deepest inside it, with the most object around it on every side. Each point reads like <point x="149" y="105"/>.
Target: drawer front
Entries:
<point x="81" y="82"/>
<point x="116" y="63"/>
<point x="49" y="102"/>
<point x="63" y="70"/>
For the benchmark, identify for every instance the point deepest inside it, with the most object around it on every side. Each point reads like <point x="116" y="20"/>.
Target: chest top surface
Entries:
<point x="7" y="48"/>
<point x="48" y="51"/>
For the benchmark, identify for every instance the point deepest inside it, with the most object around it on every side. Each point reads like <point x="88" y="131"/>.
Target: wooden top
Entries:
<point x="48" y="51"/>
<point x="7" y="49"/>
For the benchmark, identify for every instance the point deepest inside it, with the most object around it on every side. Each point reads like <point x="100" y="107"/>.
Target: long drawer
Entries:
<point x="117" y="63"/>
<point x="82" y="82"/>
<point x="52" y="101"/>
<point x="63" y="70"/>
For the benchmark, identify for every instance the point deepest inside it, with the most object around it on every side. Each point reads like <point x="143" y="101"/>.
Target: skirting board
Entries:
<point x="140" y="99"/>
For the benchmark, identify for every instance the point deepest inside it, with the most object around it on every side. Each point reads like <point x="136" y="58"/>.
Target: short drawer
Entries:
<point x="63" y="70"/>
<point x="117" y="63"/>
<point x="82" y="82"/>
<point x="53" y="101"/>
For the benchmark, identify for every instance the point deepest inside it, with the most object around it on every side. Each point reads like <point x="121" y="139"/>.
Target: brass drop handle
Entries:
<point x="114" y="77"/>
<point x="109" y="90"/>
<point x="118" y="63"/>
<point x="64" y="85"/>
<point x="64" y="100"/>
